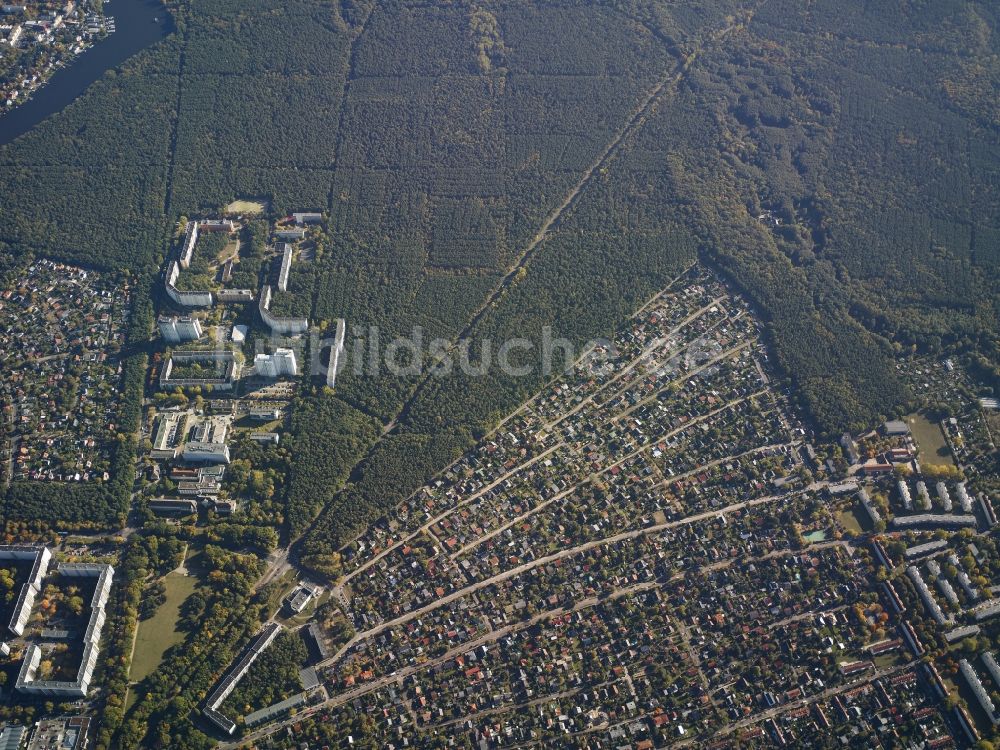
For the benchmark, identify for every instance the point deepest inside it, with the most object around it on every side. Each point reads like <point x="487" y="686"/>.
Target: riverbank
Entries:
<point x="138" y="24"/>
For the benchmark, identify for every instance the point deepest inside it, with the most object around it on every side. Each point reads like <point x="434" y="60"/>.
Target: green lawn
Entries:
<point x="930" y="441"/>
<point x="159" y="632"/>
<point x="246" y="207"/>
<point x="851" y="521"/>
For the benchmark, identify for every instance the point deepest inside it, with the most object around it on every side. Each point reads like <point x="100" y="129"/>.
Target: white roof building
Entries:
<point x="277" y="365"/>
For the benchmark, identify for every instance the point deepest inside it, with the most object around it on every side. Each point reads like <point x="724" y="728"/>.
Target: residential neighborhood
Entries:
<point x="37" y="37"/>
<point x="653" y="550"/>
<point x="61" y="332"/>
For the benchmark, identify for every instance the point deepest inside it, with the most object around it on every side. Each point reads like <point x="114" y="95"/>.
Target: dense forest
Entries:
<point x="328" y="439"/>
<point x="843" y="286"/>
<point x="834" y="161"/>
<point x="488" y="168"/>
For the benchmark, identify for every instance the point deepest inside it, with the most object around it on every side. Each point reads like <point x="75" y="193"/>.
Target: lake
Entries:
<point x="135" y="30"/>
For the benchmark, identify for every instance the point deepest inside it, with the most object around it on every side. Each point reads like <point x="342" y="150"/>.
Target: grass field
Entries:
<point x="851" y="520"/>
<point x="159" y="632"/>
<point x="231" y="249"/>
<point x="930" y="441"/>
<point x="246" y="207"/>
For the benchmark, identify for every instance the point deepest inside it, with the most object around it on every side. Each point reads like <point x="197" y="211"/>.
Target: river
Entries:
<point x="135" y="30"/>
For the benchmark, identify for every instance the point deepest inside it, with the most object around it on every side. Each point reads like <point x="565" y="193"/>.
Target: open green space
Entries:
<point x="159" y="633"/>
<point x="246" y="207"/>
<point x="850" y="520"/>
<point x="930" y="441"/>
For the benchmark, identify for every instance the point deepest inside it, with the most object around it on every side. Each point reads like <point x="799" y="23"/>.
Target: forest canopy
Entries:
<point x="488" y="168"/>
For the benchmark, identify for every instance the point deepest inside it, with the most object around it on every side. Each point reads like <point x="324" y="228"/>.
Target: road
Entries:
<point x="635" y="452"/>
<point x="546" y="560"/>
<point x="281" y="563"/>
<point x="398" y="676"/>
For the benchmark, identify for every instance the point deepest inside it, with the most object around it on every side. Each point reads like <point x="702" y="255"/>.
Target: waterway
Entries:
<point x="138" y="25"/>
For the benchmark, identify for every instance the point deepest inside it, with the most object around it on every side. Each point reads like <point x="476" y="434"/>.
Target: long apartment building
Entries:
<point x="224" y="363"/>
<point x="80" y="685"/>
<point x="285" y="266"/>
<point x="194" y="228"/>
<point x="284" y="326"/>
<point x="41" y="557"/>
<point x="232" y="678"/>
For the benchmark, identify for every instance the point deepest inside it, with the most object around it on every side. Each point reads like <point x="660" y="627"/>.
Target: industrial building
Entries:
<point x="206" y="481"/>
<point x="170" y="430"/>
<point x="215" y="453"/>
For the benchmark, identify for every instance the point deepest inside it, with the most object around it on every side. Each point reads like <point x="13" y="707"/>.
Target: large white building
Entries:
<point x="197" y="452"/>
<point x="277" y="365"/>
<point x="178" y="329"/>
<point x="283" y="326"/>
<point x="78" y="687"/>
<point x="284" y="267"/>
<point x="209" y="443"/>
<point x="41" y="557"/>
